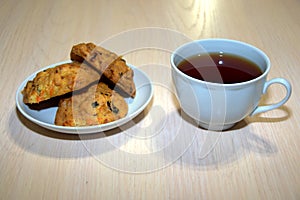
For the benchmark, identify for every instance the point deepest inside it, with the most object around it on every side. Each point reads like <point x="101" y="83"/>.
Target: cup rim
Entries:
<point x="264" y="74"/>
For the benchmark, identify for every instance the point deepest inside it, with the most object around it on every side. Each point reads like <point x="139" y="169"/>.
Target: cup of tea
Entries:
<point x="219" y="82"/>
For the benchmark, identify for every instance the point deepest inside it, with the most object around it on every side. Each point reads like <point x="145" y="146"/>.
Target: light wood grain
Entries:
<point x="257" y="159"/>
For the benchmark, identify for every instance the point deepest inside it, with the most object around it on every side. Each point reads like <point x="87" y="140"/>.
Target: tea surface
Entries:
<point x="220" y="68"/>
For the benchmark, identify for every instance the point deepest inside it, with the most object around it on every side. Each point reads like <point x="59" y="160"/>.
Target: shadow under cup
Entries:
<point x="217" y="106"/>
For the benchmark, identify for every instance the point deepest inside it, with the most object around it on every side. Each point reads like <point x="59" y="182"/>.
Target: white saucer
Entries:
<point x="45" y="117"/>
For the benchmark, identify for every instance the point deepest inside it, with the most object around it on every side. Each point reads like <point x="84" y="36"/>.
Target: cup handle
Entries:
<point x="288" y="87"/>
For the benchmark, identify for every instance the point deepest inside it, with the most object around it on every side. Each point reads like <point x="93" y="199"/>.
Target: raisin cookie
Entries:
<point x="112" y="66"/>
<point x="97" y="105"/>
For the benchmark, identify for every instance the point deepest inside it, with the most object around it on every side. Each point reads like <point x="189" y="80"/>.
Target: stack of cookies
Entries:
<point x="91" y="88"/>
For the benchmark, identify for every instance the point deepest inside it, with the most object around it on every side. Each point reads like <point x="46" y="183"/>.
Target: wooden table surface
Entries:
<point x="160" y="154"/>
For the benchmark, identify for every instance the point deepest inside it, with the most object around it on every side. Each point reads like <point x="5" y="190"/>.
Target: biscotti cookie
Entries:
<point x="58" y="81"/>
<point x="97" y="105"/>
<point x="112" y="66"/>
